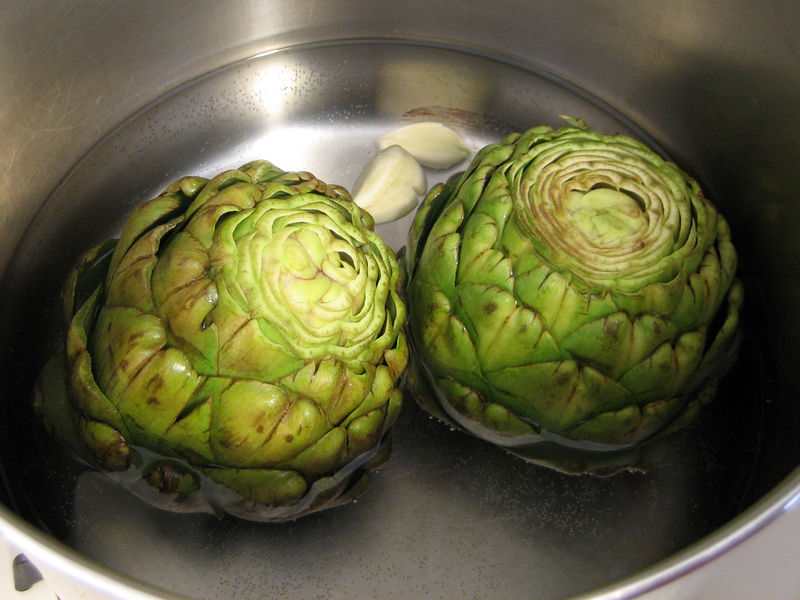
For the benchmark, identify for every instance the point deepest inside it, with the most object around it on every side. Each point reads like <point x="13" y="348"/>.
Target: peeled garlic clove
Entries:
<point x="432" y="144"/>
<point x="390" y="185"/>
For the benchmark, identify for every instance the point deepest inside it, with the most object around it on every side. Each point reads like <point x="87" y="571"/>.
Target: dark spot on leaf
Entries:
<point x="289" y="438"/>
<point x="260" y="429"/>
<point x="133" y="339"/>
<point x="152" y="400"/>
<point x="611" y="327"/>
<point x="155" y="382"/>
<point x="490" y="307"/>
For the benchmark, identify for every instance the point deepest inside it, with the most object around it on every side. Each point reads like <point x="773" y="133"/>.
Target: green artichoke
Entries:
<point x="571" y="296"/>
<point x="239" y="348"/>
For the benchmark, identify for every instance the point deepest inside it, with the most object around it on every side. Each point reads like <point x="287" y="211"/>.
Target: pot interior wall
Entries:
<point x="448" y="515"/>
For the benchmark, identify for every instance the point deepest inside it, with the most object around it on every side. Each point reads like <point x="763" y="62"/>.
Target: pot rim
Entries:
<point x="50" y="554"/>
<point x="784" y="497"/>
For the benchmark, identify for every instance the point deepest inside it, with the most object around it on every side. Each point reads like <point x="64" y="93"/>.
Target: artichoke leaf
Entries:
<point x="166" y="207"/>
<point x="269" y="487"/>
<point x="106" y="444"/>
<point x="504" y="334"/>
<point x="157" y="395"/>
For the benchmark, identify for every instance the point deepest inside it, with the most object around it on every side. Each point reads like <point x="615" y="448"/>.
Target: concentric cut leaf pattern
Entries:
<point x="573" y="279"/>
<point x="248" y="329"/>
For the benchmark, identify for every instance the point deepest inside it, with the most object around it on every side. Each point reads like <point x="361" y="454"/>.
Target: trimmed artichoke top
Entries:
<point x="241" y="342"/>
<point x="570" y="289"/>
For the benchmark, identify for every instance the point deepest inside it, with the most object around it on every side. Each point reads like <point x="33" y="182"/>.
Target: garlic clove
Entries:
<point x="432" y="144"/>
<point x="391" y="185"/>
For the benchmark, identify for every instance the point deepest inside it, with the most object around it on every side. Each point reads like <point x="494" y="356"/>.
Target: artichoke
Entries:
<point x="238" y="349"/>
<point x="572" y="297"/>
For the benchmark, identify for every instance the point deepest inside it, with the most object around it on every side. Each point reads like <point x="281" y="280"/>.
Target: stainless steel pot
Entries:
<point x="104" y="102"/>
